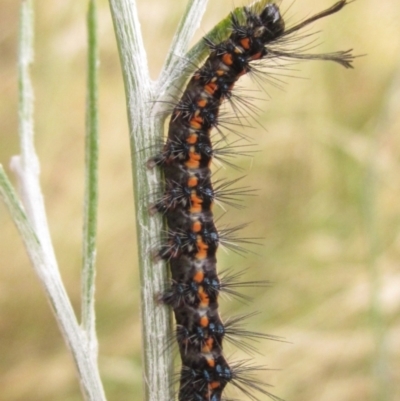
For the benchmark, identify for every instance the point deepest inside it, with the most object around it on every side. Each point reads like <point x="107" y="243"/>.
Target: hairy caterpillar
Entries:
<point x="259" y="33"/>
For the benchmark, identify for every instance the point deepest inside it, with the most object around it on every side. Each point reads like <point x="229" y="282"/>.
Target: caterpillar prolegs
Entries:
<point x="258" y="33"/>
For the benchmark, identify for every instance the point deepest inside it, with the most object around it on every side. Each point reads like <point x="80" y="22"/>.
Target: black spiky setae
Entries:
<point x="259" y="37"/>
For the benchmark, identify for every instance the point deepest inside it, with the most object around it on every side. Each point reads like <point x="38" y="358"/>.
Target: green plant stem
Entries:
<point x="91" y="185"/>
<point x="144" y="132"/>
<point x="49" y="277"/>
<point x="31" y="220"/>
<point x="176" y="60"/>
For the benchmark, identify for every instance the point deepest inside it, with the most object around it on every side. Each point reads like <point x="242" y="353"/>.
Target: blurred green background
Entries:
<point x="327" y="210"/>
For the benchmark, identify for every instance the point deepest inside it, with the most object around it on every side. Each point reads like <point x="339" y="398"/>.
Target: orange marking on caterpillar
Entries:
<point x="194" y="160"/>
<point x="210" y="88"/>
<point x="227" y="59"/>
<point x="196" y="226"/>
<point x="210" y="362"/>
<point x="194" y="124"/>
<point x="214" y="385"/>
<point x="199" y="276"/>
<point x="192" y="163"/>
<point x="204" y="322"/>
<point x="245" y="42"/>
<point x="193" y="155"/>
<point x="195" y="199"/>
<point x="197" y="117"/>
<point x="202" y="248"/>
<point x="196" y="203"/>
<point x="204" y="298"/>
<point x="192" y="139"/>
<point x="202" y="103"/>
<point x="192" y="181"/>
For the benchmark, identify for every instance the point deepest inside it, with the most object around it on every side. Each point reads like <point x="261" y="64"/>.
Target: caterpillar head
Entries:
<point x="272" y="23"/>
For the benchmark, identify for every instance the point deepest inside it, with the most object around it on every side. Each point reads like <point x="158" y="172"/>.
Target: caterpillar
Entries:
<point x="257" y="33"/>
